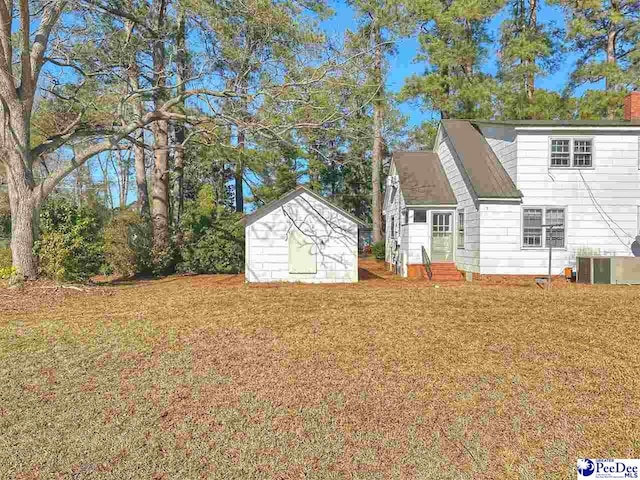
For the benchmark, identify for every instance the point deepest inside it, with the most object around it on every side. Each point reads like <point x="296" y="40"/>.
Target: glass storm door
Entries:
<point x="442" y="237"/>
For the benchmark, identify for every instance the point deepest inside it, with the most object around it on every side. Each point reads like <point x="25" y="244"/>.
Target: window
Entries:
<point x="560" y="152"/>
<point x="405" y="216"/>
<point x="555" y="216"/>
<point x="582" y="153"/>
<point x="532" y="229"/>
<point x="392" y="227"/>
<point x="419" y="216"/>
<point x="572" y="152"/>
<point x="460" y="229"/>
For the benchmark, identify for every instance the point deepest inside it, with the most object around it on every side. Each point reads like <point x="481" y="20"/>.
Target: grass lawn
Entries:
<point x="205" y="377"/>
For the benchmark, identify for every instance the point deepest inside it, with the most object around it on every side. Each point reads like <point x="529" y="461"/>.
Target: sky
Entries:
<point x="402" y="65"/>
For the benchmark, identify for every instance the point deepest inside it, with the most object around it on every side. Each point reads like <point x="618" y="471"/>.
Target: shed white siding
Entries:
<point x="606" y="222"/>
<point x="333" y="237"/>
<point x="467" y="258"/>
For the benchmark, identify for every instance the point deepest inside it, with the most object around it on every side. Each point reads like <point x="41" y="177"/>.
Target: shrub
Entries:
<point x="127" y="244"/>
<point x="212" y="239"/>
<point x="5" y="258"/>
<point x="7" y="272"/>
<point x="70" y="247"/>
<point x="378" y="249"/>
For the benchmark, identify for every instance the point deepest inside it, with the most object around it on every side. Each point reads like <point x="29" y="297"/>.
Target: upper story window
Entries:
<point x="572" y="152"/>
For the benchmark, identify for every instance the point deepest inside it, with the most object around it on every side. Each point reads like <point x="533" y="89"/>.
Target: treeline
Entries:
<point x="142" y="127"/>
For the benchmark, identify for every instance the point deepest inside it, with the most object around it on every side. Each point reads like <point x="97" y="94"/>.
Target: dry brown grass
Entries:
<point x="205" y="377"/>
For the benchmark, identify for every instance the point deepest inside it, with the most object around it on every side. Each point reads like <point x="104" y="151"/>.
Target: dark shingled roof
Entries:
<point x="561" y="123"/>
<point x="422" y="179"/>
<point x="478" y="163"/>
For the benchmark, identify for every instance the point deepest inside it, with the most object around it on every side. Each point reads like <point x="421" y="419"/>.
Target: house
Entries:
<point x="301" y="237"/>
<point x="483" y="200"/>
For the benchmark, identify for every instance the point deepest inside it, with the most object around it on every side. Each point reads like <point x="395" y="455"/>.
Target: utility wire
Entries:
<point x="604" y="214"/>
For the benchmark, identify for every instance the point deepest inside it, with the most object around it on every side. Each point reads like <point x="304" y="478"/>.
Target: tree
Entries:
<point x="453" y="38"/>
<point x="77" y="136"/>
<point x="606" y="35"/>
<point x="528" y="50"/>
<point x="380" y="24"/>
<point x="258" y="42"/>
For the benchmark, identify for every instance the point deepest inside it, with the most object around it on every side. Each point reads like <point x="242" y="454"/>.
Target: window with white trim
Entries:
<point x="461" y="229"/>
<point x="533" y="231"/>
<point x="419" y="216"/>
<point x="392" y="228"/>
<point x="405" y="216"/>
<point x="571" y="152"/>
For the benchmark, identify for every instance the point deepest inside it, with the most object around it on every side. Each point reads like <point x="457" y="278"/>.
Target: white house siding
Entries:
<point x="468" y="258"/>
<point x="335" y="237"/>
<point x="393" y="211"/>
<point x="419" y="235"/>
<point x="502" y="141"/>
<point x="615" y="183"/>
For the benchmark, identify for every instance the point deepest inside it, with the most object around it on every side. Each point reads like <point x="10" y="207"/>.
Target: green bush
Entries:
<point x="212" y="238"/>
<point x="7" y="272"/>
<point x="127" y="244"/>
<point x="378" y="249"/>
<point x="5" y="257"/>
<point x="70" y="247"/>
<point x="6" y="268"/>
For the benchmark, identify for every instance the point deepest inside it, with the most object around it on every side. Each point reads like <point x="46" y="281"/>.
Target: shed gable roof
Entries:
<point x="422" y="179"/>
<point x="249" y="218"/>
<point x="478" y="162"/>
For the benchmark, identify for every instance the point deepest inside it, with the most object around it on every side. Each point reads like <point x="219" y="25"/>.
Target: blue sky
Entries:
<point x="402" y="65"/>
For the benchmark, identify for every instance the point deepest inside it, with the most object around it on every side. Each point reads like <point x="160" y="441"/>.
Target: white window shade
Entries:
<point x="302" y="253"/>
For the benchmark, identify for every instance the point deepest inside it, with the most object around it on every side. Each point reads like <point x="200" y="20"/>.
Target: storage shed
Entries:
<point x="301" y="237"/>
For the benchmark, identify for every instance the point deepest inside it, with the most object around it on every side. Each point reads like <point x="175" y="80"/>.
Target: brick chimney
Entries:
<point x="632" y="107"/>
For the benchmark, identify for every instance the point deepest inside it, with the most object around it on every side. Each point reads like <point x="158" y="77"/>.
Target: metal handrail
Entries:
<point x="427" y="262"/>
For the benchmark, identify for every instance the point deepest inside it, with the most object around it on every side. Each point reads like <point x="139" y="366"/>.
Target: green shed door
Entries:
<point x="302" y="256"/>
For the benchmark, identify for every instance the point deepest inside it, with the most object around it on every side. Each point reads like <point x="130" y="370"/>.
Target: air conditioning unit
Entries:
<point x="608" y="270"/>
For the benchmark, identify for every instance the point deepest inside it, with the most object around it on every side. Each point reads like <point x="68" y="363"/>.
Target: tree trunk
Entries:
<point x="532" y="28"/>
<point x="181" y="70"/>
<point x="160" y="200"/>
<point x="160" y="204"/>
<point x="133" y="75"/>
<point x="611" y="60"/>
<point x="138" y="150"/>
<point x="23" y="227"/>
<point x="378" y="144"/>
<point x="239" y="174"/>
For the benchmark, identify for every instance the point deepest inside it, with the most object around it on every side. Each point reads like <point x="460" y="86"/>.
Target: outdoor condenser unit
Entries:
<point x="605" y="270"/>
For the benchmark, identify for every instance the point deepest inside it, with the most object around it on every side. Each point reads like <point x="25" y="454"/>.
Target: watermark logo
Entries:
<point x="586" y="467"/>
<point x="609" y="468"/>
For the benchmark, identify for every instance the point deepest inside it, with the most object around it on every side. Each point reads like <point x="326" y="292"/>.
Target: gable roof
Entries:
<point x="478" y="162"/>
<point x="299" y="190"/>
<point x="422" y="179"/>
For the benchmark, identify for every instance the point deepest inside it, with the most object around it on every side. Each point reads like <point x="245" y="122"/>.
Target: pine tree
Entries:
<point x="528" y="50"/>
<point x="606" y="36"/>
<point x="453" y="38"/>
